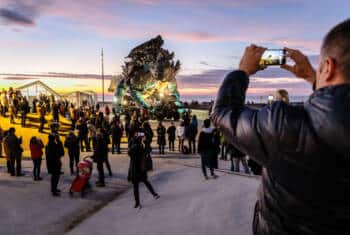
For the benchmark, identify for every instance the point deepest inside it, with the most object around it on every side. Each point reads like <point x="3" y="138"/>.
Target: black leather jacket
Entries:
<point x="305" y="151"/>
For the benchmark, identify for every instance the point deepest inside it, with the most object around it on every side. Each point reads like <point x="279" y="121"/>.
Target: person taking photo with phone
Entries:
<point x="304" y="149"/>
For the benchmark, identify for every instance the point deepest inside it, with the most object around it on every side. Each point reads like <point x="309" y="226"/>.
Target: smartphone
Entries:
<point x="273" y="57"/>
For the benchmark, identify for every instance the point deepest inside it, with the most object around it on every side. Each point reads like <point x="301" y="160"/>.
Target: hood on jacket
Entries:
<point x="329" y="111"/>
<point x="207" y="130"/>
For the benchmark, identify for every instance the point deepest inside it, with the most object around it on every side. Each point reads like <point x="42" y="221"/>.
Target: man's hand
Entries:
<point x="251" y="58"/>
<point x="302" y="67"/>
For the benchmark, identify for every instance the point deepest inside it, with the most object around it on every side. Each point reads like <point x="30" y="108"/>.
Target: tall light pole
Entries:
<point x="103" y="79"/>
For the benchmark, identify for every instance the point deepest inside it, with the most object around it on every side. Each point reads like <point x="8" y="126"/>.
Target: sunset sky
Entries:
<point x="42" y="37"/>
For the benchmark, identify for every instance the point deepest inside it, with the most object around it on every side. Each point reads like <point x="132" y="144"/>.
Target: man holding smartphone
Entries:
<point x="305" y="149"/>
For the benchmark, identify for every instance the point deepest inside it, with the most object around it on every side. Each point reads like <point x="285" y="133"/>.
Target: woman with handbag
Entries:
<point x="138" y="167"/>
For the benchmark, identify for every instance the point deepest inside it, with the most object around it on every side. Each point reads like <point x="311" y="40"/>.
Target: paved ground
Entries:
<point x="27" y="207"/>
<point x="188" y="203"/>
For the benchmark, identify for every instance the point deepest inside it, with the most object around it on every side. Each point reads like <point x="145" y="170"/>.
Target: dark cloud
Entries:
<point x="271" y="78"/>
<point x="22" y="12"/>
<point x="16" y="78"/>
<point x="13" y="17"/>
<point x="207" y="78"/>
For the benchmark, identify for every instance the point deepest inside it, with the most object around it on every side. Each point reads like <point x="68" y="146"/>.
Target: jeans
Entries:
<point x="73" y="161"/>
<point x="161" y="149"/>
<point x="224" y="151"/>
<point x="42" y="123"/>
<point x="171" y="145"/>
<point x="84" y="142"/>
<point x="244" y="163"/>
<point x="92" y="140"/>
<point x="55" y="177"/>
<point x="204" y="167"/>
<point x="181" y="144"/>
<point x="36" y="167"/>
<point x="24" y="117"/>
<point x="116" y="145"/>
<point x="108" y="165"/>
<point x="137" y="193"/>
<point x="16" y="161"/>
<point x="101" y="174"/>
<point x="192" y="145"/>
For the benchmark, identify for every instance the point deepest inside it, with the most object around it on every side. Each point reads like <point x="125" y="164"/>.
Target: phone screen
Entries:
<point x="273" y="57"/>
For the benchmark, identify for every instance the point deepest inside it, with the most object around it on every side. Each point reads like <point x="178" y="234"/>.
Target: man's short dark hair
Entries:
<point x="12" y="130"/>
<point x="336" y="45"/>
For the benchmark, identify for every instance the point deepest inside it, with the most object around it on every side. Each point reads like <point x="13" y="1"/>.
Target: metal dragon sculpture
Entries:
<point x="148" y="78"/>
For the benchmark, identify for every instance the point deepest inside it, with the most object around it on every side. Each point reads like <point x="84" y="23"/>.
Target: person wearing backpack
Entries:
<point x="208" y="149"/>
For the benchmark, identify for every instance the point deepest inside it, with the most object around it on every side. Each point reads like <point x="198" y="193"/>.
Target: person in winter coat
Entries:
<point x="191" y="132"/>
<point x="99" y="157"/>
<point x="83" y="132"/>
<point x="171" y="136"/>
<point x="54" y="151"/>
<point x="208" y="149"/>
<point x="13" y="146"/>
<point x="55" y="112"/>
<point x="137" y="167"/>
<point x="117" y="134"/>
<point x="180" y="133"/>
<point x="161" y="132"/>
<point x="304" y="149"/>
<point x="24" y="107"/>
<point x="72" y="144"/>
<point x="42" y="112"/>
<point x="36" y="151"/>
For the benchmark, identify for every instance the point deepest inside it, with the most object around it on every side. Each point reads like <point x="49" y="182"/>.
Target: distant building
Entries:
<point x="35" y="89"/>
<point x="78" y="98"/>
<point x="81" y="98"/>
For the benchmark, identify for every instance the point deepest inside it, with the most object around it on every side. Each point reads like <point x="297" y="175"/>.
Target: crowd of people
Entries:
<point x="99" y="133"/>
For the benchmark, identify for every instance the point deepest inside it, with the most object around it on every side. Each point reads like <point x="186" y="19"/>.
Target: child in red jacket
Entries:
<point x="36" y="151"/>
